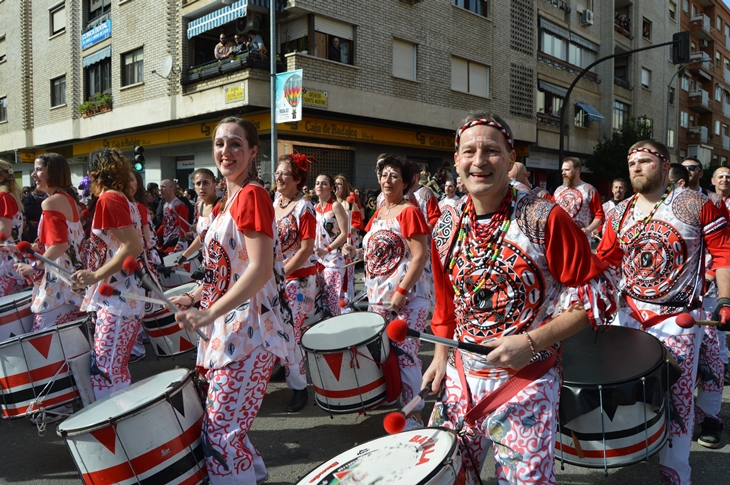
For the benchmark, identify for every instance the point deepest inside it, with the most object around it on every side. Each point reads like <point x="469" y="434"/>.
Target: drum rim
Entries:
<point x="131" y="412"/>
<point x="31" y="335"/>
<point x="348" y="347"/>
<point x="433" y="474"/>
<point x="14" y="302"/>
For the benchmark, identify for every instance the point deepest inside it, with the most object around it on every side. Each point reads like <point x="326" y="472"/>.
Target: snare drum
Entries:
<point x="426" y="456"/>
<point x="15" y="315"/>
<point x="166" y="336"/>
<point x="183" y="277"/>
<point x="148" y="432"/>
<point x="614" y="401"/>
<point x="344" y="355"/>
<point x="34" y="369"/>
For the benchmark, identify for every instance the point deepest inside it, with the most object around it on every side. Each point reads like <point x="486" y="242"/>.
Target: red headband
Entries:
<point x="488" y="122"/>
<point x="648" y="150"/>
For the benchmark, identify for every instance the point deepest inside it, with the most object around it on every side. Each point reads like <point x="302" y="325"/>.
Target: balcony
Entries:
<point x="547" y="119"/>
<point x="622" y="25"/>
<point x="701" y="65"/>
<point x="727" y="42"/>
<point x="727" y="75"/>
<point x="622" y="82"/>
<point x="214" y="69"/>
<point x="698" y="132"/>
<point x="725" y="142"/>
<point x="726" y="110"/>
<point x="700" y="27"/>
<point x="700" y="101"/>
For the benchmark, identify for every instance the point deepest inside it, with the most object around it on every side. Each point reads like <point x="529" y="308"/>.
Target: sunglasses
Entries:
<point x="693" y="168"/>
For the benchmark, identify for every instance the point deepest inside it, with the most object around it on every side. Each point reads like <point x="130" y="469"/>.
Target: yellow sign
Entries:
<point x="314" y="98"/>
<point x="235" y="93"/>
<point x="27" y="157"/>
<point x="522" y="150"/>
<point x="314" y="127"/>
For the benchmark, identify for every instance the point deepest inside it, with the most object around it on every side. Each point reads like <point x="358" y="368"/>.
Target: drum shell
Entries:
<point x="160" y="442"/>
<point x="634" y="420"/>
<point x="434" y="453"/>
<point x="29" y="362"/>
<point x="177" y="279"/>
<point x="350" y="378"/>
<point x="166" y="336"/>
<point x="15" y="315"/>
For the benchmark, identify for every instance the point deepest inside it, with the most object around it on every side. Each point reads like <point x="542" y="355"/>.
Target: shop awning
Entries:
<point x="591" y="112"/>
<point x="97" y="56"/>
<point x="217" y="18"/>
<point x="280" y="4"/>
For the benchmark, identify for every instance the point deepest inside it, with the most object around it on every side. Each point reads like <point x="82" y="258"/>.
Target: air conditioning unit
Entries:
<point x="249" y="22"/>
<point x="704" y="43"/>
<point x="586" y="17"/>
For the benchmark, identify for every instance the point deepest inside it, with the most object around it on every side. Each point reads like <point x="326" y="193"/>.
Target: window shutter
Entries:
<point x="459" y="74"/>
<point x="59" y="19"/>
<point x="296" y="29"/>
<point x="478" y="79"/>
<point x="2" y="47"/>
<point x="333" y="27"/>
<point x="404" y="63"/>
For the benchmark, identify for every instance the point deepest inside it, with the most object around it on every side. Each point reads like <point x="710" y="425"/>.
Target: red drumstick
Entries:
<point x="398" y="331"/>
<point x="24" y="247"/>
<point x="395" y="422"/>
<point x="85" y="213"/>
<point x="109" y="290"/>
<point x="685" y="320"/>
<point x="4" y="241"/>
<point x="131" y="266"/>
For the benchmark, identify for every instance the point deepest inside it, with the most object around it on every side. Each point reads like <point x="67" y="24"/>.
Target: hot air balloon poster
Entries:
<point x="289" y="96"/>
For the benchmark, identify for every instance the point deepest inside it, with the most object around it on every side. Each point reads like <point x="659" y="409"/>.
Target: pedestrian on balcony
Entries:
<point x="334" y="53"/>
<point x="224" y="48"/>
<point x="239" y="46"/>
<point x="256" y="46"/>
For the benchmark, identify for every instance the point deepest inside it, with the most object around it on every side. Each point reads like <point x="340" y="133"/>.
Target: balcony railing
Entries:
<point x="700" y="26"/>
<point x="622" y="25"/>
<point x="727" y="75"/>
<point x="219" y="68"/>
<point x="727" y="42"/>
<point x="97" y="21"/>
<point x="547" y="119"/>
<point x="622" y="82"/>
<point x="726" y="110"/>
<point x="725" y="142"/>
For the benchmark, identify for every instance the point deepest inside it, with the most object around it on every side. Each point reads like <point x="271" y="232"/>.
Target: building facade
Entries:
<point x="79" y="74"/>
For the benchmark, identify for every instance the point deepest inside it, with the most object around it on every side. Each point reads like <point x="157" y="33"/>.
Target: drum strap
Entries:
<point x="503" y="393"/>
<point x="655" y="320"/>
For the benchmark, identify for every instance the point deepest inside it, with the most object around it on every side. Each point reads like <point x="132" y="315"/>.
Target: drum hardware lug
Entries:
<point x="603" y="431"/>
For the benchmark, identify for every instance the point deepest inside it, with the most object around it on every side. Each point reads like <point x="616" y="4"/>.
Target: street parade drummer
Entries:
<point x="658" y="239"/>
<point x="514" y="273"/>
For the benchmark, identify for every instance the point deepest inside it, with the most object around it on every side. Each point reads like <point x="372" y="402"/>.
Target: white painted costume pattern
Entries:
<point x="10" y="281"/>
<point x="332" y="278"/>
<point x="576" y="201"/>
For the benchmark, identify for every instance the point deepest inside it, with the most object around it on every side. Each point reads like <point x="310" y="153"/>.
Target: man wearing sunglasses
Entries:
<point x="695" y="173"/>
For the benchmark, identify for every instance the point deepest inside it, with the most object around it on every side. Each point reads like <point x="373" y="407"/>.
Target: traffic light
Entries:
<point x="680" y="47"/>
<point x="139" y="158"/>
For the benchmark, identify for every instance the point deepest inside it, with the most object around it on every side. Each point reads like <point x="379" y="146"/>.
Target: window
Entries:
<point x="685" y="82"/>
<point x="620" y="114"/>
<point x="580" y="117"/>
<point x="554" y="46"/>
<point x="646" y="29"/>
<point x="672" y="10"/>
<point x="683" y="121"/>
<point x="694" y="11"/>
<point x="727" y="30"/>
<point x="691" y="120"/>
<point x="723" y="161"/>
<point x="719" y="23"/>
<point x="479" y="7"/>
<point x="717" y="127"/>
<point x="58" y="91"/>
<point x="326" y="32"/>
<point x="404" y="59"/>
<point x="469" y="77"/>
<point x="58" y="19"/>
<point x="3" y="109"/>
<point x="692" y="47"/>
<point x="549" y="103"/>
<point x="645" y="78"/>
<point x="97" y="8"/>
<point x="646" y="122"/>
<point x="718" y="58"/>
<point x="671" y="95"/>
<point x="2" y="49"/>
<point x="718" y="92"/>
<point x="133" y="67"/>
<point x="98" y="78"/>
<point x="724" y="130"/>
<point x="670" y="138"/>
<point x="685" y="6"/>
<point x="580" y="56"/>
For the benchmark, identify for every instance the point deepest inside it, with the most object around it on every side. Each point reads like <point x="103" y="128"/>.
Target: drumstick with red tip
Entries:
<point x="130" y="266"/>
<point x="85" y="213"/>
<point x="395" y="422"/>
<point x="685" y="320"/>
<point x="109" y="290"/>
<point x="398" y="331"/>
<point x="4" y="241"/>
<point x="24" y="247"/>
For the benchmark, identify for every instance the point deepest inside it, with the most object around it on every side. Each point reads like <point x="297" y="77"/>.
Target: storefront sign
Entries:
<point x="186" y="165"/>
<point x="545" y="161"/>
<point x="97" y="34"/>
<point x="235" y="93"/>
<point x="314" y="98"/>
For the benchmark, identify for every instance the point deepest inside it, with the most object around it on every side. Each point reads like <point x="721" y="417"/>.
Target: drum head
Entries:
<point x="124" y="402"/>
<point x="412" y="457"/>
<point x="11" y="299"/>
<point x="343" y="331"/>
<point x="179" y="290"/>
<point x="611" y="355"/>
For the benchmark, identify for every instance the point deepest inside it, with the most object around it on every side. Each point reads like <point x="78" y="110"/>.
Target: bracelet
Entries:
<point x="531" y="343"/>
<point x="192" y="299"/>
<point x="328" y="249"/>
<point x="400" y="290"/>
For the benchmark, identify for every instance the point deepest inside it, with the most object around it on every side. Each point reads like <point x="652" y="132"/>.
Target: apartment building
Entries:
<point x="79" y="74"/>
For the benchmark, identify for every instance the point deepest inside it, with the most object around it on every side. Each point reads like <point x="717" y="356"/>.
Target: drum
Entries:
<point x="614" y="403"/>
<point x="34" y="369"/>
<point x="166" y="337"/>
<point x="426" y="456"/>
<point x="344" y="355"/>
<point x="15" y="315"/>
<point x="182" y="276"/>
<point x="148" y="432"/>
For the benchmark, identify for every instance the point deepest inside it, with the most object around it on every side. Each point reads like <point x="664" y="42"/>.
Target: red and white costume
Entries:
<point x="174" y="226"/>
<point x="244" y="343"/>
<point x="429" y="205"/>
<point x="387" y="257"/>
<point x="53" y="301"/>
<point x="544" y="266"/>
<point x="538" y="191"/>
<point x="332" y="278"/>
<point x="582" y="203"/>
<point x="662" y="267"/>
<point x="452" y="201"/>
<point x="10" y="281"/>
<point x="301" y="285"/>
<point x="117" y="319"/>
<point x="521" y="187"/>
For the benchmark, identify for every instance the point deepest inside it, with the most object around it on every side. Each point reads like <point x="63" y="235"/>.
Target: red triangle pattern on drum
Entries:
<point x="107" y="437"/>
<point x="42" y="344"/>
<point x="334" y="361"/>
<point x="185" y="344"/>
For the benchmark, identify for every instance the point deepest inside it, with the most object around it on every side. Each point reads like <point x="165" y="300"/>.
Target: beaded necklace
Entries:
<point x="646" y="219"/>
<point x="475" y="234"/>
